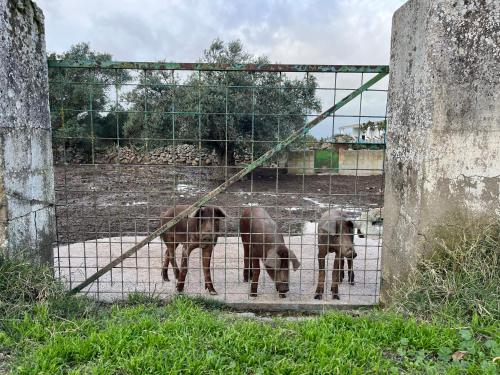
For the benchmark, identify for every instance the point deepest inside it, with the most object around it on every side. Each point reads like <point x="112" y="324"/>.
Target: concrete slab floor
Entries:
<point x="142" y="272"/>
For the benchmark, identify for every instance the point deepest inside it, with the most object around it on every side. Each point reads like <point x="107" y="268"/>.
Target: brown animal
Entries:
<point x="335" y="235"/>
<point x="261" y="241"/>
<point x="201" y="229"/>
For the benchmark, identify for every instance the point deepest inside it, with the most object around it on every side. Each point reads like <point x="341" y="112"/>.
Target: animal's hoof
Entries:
<point x="164" y="274"/>
<point x="180" y="288"/>
<point x="253" y="294"/>
<point x="211" y="290"/>
<point x="335" y="296"/>
<point x="245" y="279"/>
<point x="351" y="282"/>
<point x="318" y="296"/>
<point x="282" y="295"/>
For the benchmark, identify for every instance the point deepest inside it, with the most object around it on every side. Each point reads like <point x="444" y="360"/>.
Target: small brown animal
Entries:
<point x="201" y="229"/>
<point x="335" y="235"/>
<point x="261" y="241"/>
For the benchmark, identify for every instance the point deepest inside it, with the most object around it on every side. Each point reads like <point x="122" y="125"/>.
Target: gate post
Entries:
<point x="27" y="222"/>
<point x="443" y="140"/>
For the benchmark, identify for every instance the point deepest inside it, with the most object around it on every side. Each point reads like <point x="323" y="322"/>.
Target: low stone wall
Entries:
<point x="361" y="162"/>
<point x="183" y="154"/>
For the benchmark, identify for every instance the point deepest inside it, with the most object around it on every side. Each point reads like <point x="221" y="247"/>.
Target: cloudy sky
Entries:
<point x="287" y="31"/>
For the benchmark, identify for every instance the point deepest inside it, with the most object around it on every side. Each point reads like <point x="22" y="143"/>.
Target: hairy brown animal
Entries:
<point x="201" y="229"/>
<point x="262" y="241"/>
<point x="335" y="235"/>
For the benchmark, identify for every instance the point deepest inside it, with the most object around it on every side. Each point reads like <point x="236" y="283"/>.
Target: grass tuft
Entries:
<point x="461" y="281"/>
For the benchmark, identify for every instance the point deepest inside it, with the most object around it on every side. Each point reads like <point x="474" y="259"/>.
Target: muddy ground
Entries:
<point x="101" y="201"/>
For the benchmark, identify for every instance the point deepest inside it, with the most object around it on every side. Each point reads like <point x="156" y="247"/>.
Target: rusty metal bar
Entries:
<point x="249" y="168"/>
<point x="219" y="67"/>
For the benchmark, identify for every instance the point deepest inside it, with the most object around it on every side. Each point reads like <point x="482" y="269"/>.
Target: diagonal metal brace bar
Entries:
<point x="249" y="168"/>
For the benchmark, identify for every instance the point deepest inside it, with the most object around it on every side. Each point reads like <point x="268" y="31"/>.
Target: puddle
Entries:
<point x="322" y="205"/>
<point x="134" y="203"/>
<point x="186" y="188"/>
<point x="309" y="227"/>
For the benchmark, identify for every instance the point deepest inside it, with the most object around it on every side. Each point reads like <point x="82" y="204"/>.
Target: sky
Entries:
<point x="287" y="31"/>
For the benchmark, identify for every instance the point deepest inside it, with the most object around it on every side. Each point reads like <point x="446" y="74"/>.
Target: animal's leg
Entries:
<point x="186" y="250"/>
<point x="255" y="277"/>
<point x="342" y="269"/>
<point x="247" y="273"/>
<point x="206" y="255"/>
<point x="169" y="258"/>
<point x="350" y="271"/>
<point x="321" y="274"/>
<point x="335" y="278"/>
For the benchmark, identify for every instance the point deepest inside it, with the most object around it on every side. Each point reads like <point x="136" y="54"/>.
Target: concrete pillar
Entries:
<point x="443" y="139"/>
<point x="27" y="220"/>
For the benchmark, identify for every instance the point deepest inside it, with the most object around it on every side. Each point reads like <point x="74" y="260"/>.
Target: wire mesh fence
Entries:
<point x="133" y="140"/>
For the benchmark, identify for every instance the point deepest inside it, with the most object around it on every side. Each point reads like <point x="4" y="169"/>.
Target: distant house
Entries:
<point x="364" y="134"/>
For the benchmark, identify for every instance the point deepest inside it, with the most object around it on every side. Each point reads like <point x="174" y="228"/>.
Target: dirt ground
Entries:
<point x="102" y="201"/>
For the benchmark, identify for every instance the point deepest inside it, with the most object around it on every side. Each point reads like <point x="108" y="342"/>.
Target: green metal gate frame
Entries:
<point x="380" y="70"/>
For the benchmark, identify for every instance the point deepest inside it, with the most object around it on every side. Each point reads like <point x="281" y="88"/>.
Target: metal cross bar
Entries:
<point x="219" y="67"/>
<point x="249" y="168"/>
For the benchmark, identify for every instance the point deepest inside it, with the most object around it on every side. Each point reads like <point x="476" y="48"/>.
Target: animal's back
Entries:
<point x="257" y="226"/>
<point x="181" y="227"/>
<point x="328" y="223"/>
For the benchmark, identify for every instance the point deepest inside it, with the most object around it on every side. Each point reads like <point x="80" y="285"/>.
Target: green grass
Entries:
<point x="326" y="159"/>
<point x="184" y="337"/>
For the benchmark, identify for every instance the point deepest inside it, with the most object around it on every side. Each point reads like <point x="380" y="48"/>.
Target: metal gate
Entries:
<point x="133" y="139"/>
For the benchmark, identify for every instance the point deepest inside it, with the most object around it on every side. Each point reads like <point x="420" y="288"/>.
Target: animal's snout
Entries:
<point x="282" y="287"/>
<point x="208" y="238"/>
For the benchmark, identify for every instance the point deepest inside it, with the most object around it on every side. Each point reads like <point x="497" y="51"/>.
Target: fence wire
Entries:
<point x="132" y="140"/>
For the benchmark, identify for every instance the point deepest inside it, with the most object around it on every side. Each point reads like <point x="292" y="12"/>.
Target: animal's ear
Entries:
<point x="349" y="226"/>
<point x="219" y="212"/>
<point x="198" y="212"/>
<point x="272" y="259"/>
<point x="294" y="260"/>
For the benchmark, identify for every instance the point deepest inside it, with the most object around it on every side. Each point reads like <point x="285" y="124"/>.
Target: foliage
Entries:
<point x="79" y="99"/>
<point x="215" y="106"/>
<point x="460" y="281"/>
<point x="326" y="159"/>
<point x="377" y="125"/>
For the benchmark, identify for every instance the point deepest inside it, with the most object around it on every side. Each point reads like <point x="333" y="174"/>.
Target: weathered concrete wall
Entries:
<point x="301" y="162"/>
<point x="361" y="162"/>
<point x="26" y="174"/>
<point x="443" y="141"/>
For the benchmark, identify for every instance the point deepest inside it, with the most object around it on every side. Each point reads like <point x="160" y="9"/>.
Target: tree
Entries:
<point x="227" y="111"/>
<point x="79" y="99"/>
<point x="151" y="114"/>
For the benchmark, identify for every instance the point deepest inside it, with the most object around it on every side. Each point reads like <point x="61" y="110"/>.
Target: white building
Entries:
<point x="370" y="135"/>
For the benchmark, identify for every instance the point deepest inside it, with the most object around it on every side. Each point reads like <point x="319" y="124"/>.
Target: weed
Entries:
<point x="460" y="282"/>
